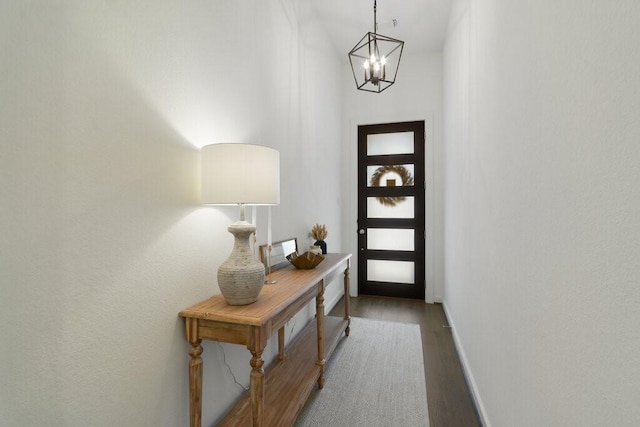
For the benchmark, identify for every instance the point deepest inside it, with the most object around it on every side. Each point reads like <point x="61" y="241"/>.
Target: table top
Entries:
<point x="273" y="299"/>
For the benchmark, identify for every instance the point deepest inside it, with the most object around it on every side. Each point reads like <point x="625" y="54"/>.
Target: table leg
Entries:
<point x="347" y="299"/>
<point x="320" y="331"/>
<point x="281" y="354"/>
<point x="257" y="388"/>
<point x="195" y="373"/>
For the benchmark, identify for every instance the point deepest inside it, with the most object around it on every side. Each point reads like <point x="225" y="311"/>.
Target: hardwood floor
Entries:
<point x="449" y="400"/>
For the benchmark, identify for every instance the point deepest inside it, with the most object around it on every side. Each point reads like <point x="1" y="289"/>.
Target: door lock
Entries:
<point x="361" y="231"/>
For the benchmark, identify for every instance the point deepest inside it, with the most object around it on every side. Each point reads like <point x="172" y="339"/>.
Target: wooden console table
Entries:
<point x="274" y="399"/>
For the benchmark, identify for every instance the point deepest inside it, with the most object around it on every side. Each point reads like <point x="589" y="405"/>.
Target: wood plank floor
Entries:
<point x="449" y="400"/>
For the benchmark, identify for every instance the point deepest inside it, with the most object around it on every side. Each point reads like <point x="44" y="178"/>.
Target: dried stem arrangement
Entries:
<point x="319" y="232"/>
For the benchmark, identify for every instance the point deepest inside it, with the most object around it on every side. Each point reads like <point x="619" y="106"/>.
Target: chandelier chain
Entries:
<point x="375" y="21"/>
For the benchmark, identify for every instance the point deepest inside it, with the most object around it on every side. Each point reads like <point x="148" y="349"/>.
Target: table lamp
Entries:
<point x="240" y="174"/>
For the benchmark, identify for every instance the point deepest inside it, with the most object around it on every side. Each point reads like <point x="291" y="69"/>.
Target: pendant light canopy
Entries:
<point x="375" y="60"/>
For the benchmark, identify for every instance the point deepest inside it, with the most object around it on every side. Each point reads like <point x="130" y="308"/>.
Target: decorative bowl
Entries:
<point x="306" y="261"/>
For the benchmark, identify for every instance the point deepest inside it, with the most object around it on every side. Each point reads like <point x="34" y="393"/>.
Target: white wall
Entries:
<point x="542" y="208"/>
<point x="416" y="95"/>
<point x="103" y="106"/>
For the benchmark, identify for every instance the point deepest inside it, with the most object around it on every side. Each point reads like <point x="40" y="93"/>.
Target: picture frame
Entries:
<point x="279" y="252"/>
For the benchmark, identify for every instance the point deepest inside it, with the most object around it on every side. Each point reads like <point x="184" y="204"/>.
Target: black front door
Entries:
<point x="391" y="207"/>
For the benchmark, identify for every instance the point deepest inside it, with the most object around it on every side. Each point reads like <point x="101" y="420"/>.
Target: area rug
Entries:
<point x="375" y="377"/>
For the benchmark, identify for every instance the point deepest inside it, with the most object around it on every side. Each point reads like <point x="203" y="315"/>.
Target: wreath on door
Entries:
<point x="404" y="175"/>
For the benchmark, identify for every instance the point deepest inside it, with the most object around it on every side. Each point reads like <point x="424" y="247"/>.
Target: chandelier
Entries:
<point x="375" y="59"/>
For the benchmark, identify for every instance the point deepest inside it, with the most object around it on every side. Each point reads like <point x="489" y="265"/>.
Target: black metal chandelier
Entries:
<point x="375" y="60"/>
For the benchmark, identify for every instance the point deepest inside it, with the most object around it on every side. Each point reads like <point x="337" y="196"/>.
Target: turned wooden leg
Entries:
<point x="281" y="354"/>
<point x="320" y="331"/>
<point x="195" y="373"/>
<point x="347" y="299"/>
<point x="257" y="388"/>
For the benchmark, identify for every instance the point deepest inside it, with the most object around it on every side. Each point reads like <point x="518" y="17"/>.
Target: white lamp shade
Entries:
<point x="240" y="174"/>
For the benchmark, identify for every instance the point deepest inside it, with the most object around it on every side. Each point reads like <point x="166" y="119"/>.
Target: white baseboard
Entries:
<point x="475" y="394"/>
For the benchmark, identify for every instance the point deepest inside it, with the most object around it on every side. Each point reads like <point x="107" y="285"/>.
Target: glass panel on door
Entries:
<point x="390" y="175"/>
<point x="390" y="239"/>
<point x="390" y="143"/>
<point x="391" y="271"/>
<point x="386" y="207"/>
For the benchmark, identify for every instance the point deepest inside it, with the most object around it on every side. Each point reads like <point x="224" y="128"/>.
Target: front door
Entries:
<point x="391" y="197"/>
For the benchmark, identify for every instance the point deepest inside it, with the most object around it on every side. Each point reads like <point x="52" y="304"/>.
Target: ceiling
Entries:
<point x="421" y="24"/>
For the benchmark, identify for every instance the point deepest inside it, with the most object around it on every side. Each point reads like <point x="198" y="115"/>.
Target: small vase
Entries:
<point x="323" y="246"/>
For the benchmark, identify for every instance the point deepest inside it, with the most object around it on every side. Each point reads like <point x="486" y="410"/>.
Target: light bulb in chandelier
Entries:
<point x="375" y="69"/>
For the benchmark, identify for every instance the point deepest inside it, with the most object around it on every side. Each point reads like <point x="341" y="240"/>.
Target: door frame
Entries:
<point x="350" y="234"/>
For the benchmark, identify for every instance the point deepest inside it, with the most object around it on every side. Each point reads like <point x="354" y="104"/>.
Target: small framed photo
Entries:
<point x="279" y="251"/>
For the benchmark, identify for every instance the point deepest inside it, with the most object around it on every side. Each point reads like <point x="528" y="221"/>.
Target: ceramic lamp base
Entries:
<point x="241" y="276"/>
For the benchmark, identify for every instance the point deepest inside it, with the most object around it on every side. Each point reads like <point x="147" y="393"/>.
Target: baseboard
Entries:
<point x="468" y="375"/>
